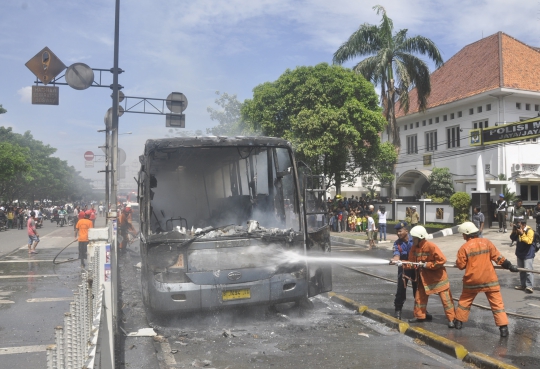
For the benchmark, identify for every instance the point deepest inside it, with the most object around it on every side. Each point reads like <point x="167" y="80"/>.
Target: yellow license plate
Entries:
<point x="236" y="294"/>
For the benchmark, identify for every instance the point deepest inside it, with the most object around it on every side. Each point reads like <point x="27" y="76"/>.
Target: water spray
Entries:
<point x="294" y="257"/>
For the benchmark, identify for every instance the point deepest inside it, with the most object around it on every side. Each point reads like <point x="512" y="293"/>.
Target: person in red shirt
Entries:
<point x="81" y="233"/>
<point x="92" y="215"/>
<point x="33" y="236"/>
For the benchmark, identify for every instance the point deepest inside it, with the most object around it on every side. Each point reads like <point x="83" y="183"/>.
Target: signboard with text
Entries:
<point x="45" y="95"/>
<point x="506" y="133"/>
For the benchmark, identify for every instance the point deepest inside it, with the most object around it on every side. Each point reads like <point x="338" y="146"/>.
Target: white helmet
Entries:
<point x="467" y="228"/>
<point x="419" y="232"/>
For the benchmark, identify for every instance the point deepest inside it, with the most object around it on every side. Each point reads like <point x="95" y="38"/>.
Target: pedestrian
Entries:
<point x="20" y="219"/>
<point x="93" y="215"/>
<point x="431" y="277"/>
<point x="415" y="217"/>
<point x="525" y="252"/>
<point x="126" y="227"/>
<point x="81" y="234"/>
<point x="500" y="213"/>
<point x="401" y="249"/>
<point x="33" y="236"/>
<point x="371" y="230"/>
<point x="519" y="213"/>
<point x="536" y="214"/>
<point x="476" y="257"/>
<point x="382" y="222"/>
<point x="10" y="217"/>
<point x="478" y="219"/>
<point x="344" y="219"/>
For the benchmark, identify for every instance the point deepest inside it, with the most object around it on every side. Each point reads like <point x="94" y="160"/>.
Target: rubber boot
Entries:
<point x="451" y="324"/>
<point x="458" y="324"/>
<point x="504" y="330"/>
<point x="398" y="314"/>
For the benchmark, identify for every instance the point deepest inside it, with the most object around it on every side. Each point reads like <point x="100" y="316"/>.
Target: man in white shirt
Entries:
<point x="371" y="231"/>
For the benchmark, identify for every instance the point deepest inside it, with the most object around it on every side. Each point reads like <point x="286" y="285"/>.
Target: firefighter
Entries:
<point x="431" y="277"/>
<point x="402" y="246"/>
<point x="475" y="256"/>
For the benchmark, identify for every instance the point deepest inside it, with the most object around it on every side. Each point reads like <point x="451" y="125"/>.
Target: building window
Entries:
<point x="471" y="111"/>
<point x="431" y="141"/>
<point x="488" y="107"/>
<point x="411" y="126"/>
<point x="487" y="169"/>
<point x="536" y="107"/>
<point x="451" y="115"/>
<point x="524" y="189"/>
<point x="405" y="126"/>
<point x="527" y="106"/>
<point x="459" y="114"/>
<point x="479" y="109"/>
<point x="430" y="120"/>
<point x="444" y="118"/>
<point x="424" y="123"/>
<point x="417" y="124"/>
<point x="518" y="105"/>
<point x="437" y="120"/>
<point x="480" y="124"/>
<point x="452" y="137"/>
<point x="412" y="144"/>
<point x="529" y="192"/>
<point x="534" y="192"/>
<point x="528" y="140"/>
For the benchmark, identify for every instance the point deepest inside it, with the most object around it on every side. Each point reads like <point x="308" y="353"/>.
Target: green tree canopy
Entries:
<point x="391" y="63"/>
<point x="42" y="176"/>
<point x="441" y="183"/>
<point x="229" y="118"/>
<point x="2" y="110"/>
<point x="329" y="113"/>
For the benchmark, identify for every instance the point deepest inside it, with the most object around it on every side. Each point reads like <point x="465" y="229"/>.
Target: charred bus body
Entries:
<point x="218" y="216"/>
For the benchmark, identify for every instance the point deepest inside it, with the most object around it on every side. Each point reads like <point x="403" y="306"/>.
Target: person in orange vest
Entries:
<point x="81" y="233"/>
<point x="125" y="226"/>
<point x="431" y="277"/>
<point x="475" y="256"/>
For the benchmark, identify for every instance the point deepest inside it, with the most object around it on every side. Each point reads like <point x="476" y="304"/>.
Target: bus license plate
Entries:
<point x="236" y="294"/>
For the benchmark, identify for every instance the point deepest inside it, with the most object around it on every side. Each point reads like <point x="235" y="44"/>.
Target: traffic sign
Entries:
<point x="45" y="65"/>
<point x="45" y="95"/>
<point x="79" y="76"/>
<point x="89" y="156"/>
<point x="121" y="156"/>
<point x="177" y="102"/>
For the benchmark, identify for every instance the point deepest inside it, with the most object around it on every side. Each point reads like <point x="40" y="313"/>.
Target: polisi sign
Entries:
<point x="506" y="133"/>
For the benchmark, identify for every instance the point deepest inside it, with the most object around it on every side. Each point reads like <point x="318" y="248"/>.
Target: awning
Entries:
<point x="410" y="176"/>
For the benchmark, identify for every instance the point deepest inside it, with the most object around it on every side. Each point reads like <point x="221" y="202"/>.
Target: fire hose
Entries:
<point x="420" y="264"/>
<point x="64" y="261"/>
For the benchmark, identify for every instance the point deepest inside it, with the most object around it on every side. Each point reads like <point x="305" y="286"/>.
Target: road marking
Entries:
<point x="22" y="349"/>
<point x="32" y="276"/>
<point x="538" y="306"/>
<point x="6" y="302"/>
<point x="167" y="355"/>
<point x="49" y="299"/>
<point x="25" y="261"/>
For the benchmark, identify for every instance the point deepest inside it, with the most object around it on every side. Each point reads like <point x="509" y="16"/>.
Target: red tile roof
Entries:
<point x="496" y="61"/>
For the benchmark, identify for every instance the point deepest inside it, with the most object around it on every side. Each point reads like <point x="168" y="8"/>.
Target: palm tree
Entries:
<point x="391" y="64"/>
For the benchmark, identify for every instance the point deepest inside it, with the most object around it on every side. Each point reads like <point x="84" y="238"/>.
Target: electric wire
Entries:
<point x="454" y="298"/>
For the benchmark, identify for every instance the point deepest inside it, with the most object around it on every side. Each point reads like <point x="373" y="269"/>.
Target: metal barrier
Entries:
<point x="86" y="340"/>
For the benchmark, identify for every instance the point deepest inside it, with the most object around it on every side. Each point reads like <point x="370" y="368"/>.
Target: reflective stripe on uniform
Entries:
<point x="484" y="285"/>
<point x="417" y="254"/>
<point x="499" y="311"/>
<point x="479" y="252"/>
<point x="433" y="286"/>
<point x="463" y="307"/>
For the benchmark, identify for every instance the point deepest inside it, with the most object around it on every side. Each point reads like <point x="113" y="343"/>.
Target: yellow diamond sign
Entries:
<point x="45" y="65"/>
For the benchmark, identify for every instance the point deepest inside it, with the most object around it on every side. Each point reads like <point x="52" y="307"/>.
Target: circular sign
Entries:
<point x="108" y="116"/>
<point x="89" y="156"/>
<point x="79" y="76"/>
<point x="177" y="102"/>
<point x="121" y="156"/>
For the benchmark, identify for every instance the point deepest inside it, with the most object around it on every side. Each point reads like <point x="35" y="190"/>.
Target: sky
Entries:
<point x="198" y="47"/>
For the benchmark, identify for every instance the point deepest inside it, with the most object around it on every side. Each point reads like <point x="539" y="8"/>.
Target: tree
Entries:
<point x="461" y="202"/>
<point x="229" y="119"/>
<point x="440" y="183"/>
<point x="392" y="65"/>
<point x="2" y="110"/>
<point x="329" y="113"/>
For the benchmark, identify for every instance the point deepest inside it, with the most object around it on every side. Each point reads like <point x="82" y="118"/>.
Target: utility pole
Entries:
<point x="114" y="129"/>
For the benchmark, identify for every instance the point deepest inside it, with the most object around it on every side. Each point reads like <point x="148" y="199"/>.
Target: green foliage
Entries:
<point x="2" y="110"/>
<point x="461" y="202"/>
<point x="509" y="196"/>
<point x="440" y="183"/>
<point x="329" y="113"/>
<point x="34" y="173"/>
<point x="229" y="119"/>
<point x="434" y="199"/>
<point x="502" y="177"/>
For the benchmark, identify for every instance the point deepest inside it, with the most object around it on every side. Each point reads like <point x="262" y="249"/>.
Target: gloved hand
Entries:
<point x="399" y="263"/>
<point x="513" y="268"/>
<point x="422" y="265"/>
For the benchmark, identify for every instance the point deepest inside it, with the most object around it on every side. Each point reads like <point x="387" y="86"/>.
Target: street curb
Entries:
<point x="439" y="342"/>
<point x="434" y="340"/>
<point x="444" y="232"/>
<point x="484" y="361"/>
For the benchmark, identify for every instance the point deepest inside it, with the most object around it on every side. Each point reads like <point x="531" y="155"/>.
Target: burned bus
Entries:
<point x="219" y="217"/>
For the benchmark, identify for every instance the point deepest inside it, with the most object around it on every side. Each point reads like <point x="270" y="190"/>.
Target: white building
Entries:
<point x="491" y="82"/>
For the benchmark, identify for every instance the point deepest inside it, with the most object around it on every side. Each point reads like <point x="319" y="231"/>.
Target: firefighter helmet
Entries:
<point x="467" y="228"/>
<point x="419" y="232"/>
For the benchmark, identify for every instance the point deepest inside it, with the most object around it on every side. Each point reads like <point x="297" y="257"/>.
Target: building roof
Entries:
<point x="493" y="62"/>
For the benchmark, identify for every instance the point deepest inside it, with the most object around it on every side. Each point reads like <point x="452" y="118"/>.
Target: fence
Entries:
<point x="86" y="340"/>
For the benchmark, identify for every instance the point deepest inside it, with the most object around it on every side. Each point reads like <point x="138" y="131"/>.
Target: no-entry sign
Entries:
<point x="89" y="156"/>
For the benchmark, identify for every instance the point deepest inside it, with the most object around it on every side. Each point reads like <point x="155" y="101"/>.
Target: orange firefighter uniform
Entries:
<point x="432" y="279"/>
<point x="475" y="257"/>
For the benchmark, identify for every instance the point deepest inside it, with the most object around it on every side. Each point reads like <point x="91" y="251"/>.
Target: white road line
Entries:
<point x="6" y="302"/>
<point x="31" y="276"/>
<point x="168" y="357"/>
<point x="49" y="299"/>
<point x="25" y="261"/>
<point x="22" y="349"/>
<point x="538" y="306"/>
